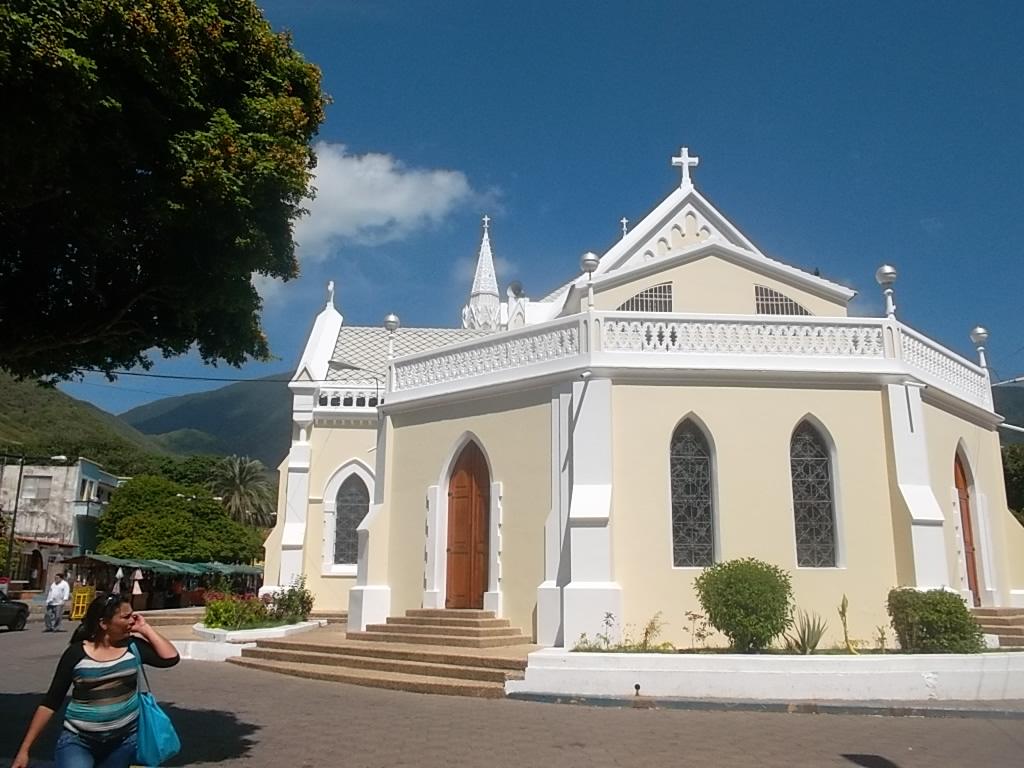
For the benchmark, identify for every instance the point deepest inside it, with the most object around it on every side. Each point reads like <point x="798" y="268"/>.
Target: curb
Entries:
<point x="786" y="707"/>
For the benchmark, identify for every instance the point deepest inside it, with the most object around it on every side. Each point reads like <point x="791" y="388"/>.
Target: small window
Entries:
<point x="769" y="302"/>
<point x="657" y="298"/>
<point x="693" y="519"/>
<point x="36" y="488"/>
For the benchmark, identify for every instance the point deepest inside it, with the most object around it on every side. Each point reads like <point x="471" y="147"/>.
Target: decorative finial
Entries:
<point x="686" y="161"/>
<point x="487" y="222"/>
<point x="885" y="276"/>
<point x="624" y="222"/>
<point x="589" y="262"/>
<point x="330" y="293"/>
<point x="979" y="335"/>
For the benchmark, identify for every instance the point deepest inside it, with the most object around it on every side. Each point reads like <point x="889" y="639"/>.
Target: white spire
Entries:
<point x="484" y="308"/>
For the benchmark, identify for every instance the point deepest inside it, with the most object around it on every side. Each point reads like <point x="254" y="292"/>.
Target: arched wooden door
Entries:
<point x="469" y="502"/>
<point x="962" y="492"/>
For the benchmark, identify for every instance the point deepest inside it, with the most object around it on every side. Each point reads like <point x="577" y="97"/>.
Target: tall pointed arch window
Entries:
<point x="690" y="469"/>
<point x="353" y="502"/>
<point x="814" y="509"/>
<point x="657" y="298"/>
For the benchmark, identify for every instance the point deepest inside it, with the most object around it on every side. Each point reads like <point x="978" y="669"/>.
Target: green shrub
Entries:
<point x="294" y="604"/>
<point x="935" y="621"/>
<point x="747" y="600"/>
<point x="231" y="612"/>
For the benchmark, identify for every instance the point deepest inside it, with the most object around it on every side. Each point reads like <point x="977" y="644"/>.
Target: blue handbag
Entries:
<point x="156" y="739"/>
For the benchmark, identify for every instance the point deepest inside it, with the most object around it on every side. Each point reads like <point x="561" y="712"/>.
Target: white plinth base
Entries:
<point x="549" y="614"/>
<point x="368" y="605"/>
<point x="586" y="604"/>
<point x="203" y="650"/>
<point x="897" y="677"/>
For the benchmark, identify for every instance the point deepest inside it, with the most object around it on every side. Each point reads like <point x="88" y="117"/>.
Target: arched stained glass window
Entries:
<point x="814" y="508"/>
<point x="769" y="302"/>
<point x="693" y="529"/>
<point x="657" y="298"/>
<point x="353" y="502"/>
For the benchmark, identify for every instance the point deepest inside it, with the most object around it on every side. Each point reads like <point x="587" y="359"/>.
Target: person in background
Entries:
<point x="101" y="666"/>
<point x="58" y="595"/>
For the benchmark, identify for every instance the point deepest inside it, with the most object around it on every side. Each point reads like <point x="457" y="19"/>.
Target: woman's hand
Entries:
<point x="20" y="760"/>
<point x="140" y="625"/>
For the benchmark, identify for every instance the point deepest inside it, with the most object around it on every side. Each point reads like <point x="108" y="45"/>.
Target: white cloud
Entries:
<point x="372" y="198"/>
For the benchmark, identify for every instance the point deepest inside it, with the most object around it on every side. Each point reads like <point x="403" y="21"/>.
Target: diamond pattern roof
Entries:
<point x="367" y="348"/>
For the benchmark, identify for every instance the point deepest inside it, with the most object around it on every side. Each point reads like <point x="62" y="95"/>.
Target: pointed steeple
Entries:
<point x="484" y="308"/>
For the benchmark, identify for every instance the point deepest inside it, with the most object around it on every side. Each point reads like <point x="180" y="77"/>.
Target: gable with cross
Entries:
<point x="686" y="161"/>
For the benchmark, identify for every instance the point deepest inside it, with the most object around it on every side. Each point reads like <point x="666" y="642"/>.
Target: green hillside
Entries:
<point x="251" y="418"/>
<point x="40" y="420"/>
<point x="1009" y="403"/>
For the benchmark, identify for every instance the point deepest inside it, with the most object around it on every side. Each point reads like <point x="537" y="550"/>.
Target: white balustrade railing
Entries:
<point x="938" y="366"/>
<point x="616" y="336"/>
<point x="349" y="398"/>
<point x="519" y="349"/>
<point x="742" y="336"/>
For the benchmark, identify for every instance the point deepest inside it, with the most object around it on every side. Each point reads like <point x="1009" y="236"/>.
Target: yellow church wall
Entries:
<point x="903" y="544"/>
<point x="514" y="432"/>
<point x="331" y="448"/>
<point x="980" y="451"/>
<point x="750" y="431"/>
<point x="714" y="285"/>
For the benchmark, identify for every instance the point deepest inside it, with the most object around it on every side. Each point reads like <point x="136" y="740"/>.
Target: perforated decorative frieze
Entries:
<point x="942" y="367"/>
<point x="743" y="338"/>
<point x="483" y="358"/>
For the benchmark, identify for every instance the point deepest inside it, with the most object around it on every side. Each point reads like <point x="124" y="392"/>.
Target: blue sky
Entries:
<point x="836" y="136"/>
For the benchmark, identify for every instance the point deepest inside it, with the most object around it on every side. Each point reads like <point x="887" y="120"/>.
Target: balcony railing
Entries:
<point x="693" y="342"/>
<point x="88" y="508"/>
<point x="349" y="399"/>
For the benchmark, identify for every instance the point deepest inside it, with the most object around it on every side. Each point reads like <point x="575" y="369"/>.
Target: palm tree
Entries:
<point x="245" y="491"/>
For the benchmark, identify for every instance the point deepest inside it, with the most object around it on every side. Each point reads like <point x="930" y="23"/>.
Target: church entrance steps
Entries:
<point x="464" y="628"/>
<point x="331" y="617"/>
<point x="395" y="681"/>
<point x="1006" y="623"/>
<point x="401" y="666"/>
<point x="173" y="617"/>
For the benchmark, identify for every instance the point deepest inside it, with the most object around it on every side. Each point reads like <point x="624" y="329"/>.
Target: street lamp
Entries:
<point x="17" y="497"/>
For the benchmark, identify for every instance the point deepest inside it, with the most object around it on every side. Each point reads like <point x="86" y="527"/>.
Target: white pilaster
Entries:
<point x="369" y="601"/>
<point x="556" y="570"/>
<point x="910" y="453"/>
<point x="592" y="592"/>
<point x="492" y="597"/>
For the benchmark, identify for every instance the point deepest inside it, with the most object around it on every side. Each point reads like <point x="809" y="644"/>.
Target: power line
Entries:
<point x="181" y="378"/>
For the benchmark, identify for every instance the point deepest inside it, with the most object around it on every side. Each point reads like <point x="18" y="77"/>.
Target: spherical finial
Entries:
<point x="886" y="275"/>
<point x="589" y="262"/>
<point x="979" y="335"/>
<point x="391" y="323"/>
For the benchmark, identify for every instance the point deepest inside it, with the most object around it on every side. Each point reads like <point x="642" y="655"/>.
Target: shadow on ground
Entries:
<point x="207" y="735"/>
<point x="871" y="761"/>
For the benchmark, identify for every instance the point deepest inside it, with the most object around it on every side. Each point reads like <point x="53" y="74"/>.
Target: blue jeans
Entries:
<point x="54" y="616"/>
<point x="77" y="751"/>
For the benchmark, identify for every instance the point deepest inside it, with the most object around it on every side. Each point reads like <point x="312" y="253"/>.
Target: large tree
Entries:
<point x="155" y="156"/>
<point x="245" y="490"/>
<point x="155" y="518"/>
<point x="1013" y="473"/>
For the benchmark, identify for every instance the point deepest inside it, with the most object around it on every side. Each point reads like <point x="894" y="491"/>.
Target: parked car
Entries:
<point x="13" y="613"/>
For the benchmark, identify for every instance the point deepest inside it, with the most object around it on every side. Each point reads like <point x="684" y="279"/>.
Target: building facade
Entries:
<point x="684" y="401"/>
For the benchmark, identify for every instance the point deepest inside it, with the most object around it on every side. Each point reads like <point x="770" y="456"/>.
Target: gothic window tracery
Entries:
<point x="657" y="298"/>
<point x="771" y="302"/>
<point x="690" y="469"/>
<point x="813" y="503"/>
<point x="353" y="502"/>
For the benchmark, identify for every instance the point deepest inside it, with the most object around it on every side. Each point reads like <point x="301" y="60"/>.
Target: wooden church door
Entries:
<point x="960" y="477"/>
<point x="468" y="512"/>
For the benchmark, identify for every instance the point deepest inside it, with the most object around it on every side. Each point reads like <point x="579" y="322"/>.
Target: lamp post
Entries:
<point x="885" y="276"/>
<point x="14" y="512"/>
<point x="589" y="262"/>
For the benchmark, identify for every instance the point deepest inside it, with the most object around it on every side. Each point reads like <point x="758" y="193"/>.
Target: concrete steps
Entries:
<point x="331" y="617"/>
<point x="1006" y="623"/>
<point x="459" y="653"/>
<point x="394" y="681"/>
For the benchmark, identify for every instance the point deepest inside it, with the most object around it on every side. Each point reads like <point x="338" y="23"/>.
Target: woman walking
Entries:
<point x="101" y="666"/>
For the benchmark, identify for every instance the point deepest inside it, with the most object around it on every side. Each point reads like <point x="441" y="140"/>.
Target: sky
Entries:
<point x="836" y="136"/>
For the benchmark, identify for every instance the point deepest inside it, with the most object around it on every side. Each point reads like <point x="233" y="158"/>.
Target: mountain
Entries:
<point x="250" y="418"/>
<point x="1009" y="403"/>
<point x="41" y="420"/>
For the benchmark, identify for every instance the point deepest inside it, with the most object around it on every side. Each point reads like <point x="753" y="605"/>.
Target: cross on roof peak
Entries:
<point x="686" y="161"/>
<point x="487" y="222"/>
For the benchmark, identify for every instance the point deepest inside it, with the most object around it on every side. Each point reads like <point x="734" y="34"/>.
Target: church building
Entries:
<point x="683" y="400"/>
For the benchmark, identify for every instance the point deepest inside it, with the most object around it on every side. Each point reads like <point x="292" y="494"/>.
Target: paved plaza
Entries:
<point x="236" y="717"/>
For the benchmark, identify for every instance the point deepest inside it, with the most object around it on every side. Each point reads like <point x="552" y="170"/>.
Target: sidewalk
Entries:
<point x="1008" y="709"/>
